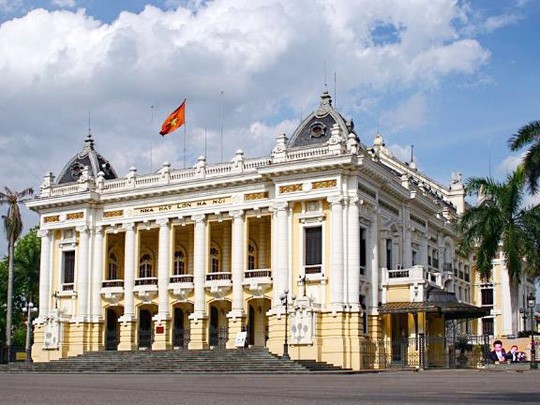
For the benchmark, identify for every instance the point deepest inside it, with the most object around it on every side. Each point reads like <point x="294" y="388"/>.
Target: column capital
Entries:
<point x="129" y="226"/>
<point x="355" y="200"/>
<point x="279" y="206"/>
<point x="162" y="222"/>
<point x="82" y="229"/>
<point x="237" y="214"/>
<point x="198" y="218"/>
<point x="98" y="230"/>
<point x="43" y="233"/>
<point x="335" y="199"/>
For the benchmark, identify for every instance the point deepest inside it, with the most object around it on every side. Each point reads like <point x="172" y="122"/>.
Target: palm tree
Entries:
<point x="499" y="222"/>
<point x="13" y="226"/>
<point x="529" y="135"/>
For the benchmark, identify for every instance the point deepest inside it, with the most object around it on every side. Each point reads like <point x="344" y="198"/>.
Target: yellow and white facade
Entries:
<point x="189" y="258"/>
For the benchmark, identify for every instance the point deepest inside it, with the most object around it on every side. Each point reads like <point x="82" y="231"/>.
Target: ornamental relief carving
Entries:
<point x="75" y="215"/>
<point x="291" y="188"/>
<point x="113" y="214"/>
<point x="256" y="196"/>
<point x="52" y="218"/>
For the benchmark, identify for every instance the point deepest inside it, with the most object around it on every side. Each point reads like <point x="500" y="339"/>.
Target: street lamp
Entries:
<point x="285" y="301"/>
<point x="28" y="309"/>
<point x="531" y="303"/>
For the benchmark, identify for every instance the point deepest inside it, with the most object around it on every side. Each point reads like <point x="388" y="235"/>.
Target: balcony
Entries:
<point x="146" y="288"/>
<point x="257" y="281"/>
<point x="218" y="283"/>
<point x="181" y="286"/>
<point x="414" y="275"/>
<point x="112" y="291"/>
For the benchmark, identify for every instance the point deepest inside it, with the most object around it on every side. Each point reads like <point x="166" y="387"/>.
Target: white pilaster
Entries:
<point x="97" y="272"/>
<point x="407" y="240"/>
<point x="336" y="254"/>
<point x="82" y="274"/>
<point x="199" y="260"/>
<point x="44" y="274"/>
<point x="238" y="249"/>
<point x="373" y="272"/>
<point x="163" y="268"/>
<point x="129" y="272"/>
<point x="354" y="254"/>
<point x="261" y="241"/>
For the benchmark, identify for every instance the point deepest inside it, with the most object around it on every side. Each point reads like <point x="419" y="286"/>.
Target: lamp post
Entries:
<point x="285" y="301"/>
<point x="29" y="309"/>
<point x="531" y="303"/>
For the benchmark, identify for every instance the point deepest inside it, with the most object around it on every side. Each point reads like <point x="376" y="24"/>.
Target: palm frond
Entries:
<point x="525" y="135"/>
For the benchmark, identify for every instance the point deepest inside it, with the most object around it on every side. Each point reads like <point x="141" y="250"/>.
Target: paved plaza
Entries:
<point x="429" y="387"/>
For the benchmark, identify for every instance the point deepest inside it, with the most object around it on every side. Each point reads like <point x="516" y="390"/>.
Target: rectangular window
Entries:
<point x="363" y="255"/>
<point x="364" y="314"/>
<point x="487" y="326"/>
<point x="68" y="267"/>
<point x="313" y="246"/>
<point x="414" y="257"/>
<point x="487" y="297"/>
<point x="389" y="263"/>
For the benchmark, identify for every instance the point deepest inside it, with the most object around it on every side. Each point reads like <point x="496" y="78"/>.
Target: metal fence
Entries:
<point x="456" y="351"/>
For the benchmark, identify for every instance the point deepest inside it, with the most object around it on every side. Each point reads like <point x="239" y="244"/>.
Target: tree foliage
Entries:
<point x="500" y="222"/>
<point x="25" y="285"/>
<point x="529" y="135"/>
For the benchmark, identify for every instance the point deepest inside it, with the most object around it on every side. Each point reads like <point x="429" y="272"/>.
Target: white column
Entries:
<point x="226" y="252"/>
<point x="238" y="249"/>
<point x="423" y="259"/>
<point x="281" y="265"/>
<point x="44" y="273"/>
<point x="199" y="260"/>
<point x="354" y="254"/>
<point x="82" y="273"/>
<point x="163" y="268"/>
<point x="97" y="272"/>
<point x="190" y="247"/>
<point x="407" y="240"/>
<point x="129" y="271"/>
<point x="373" y="274"/>
<point x="336" y="254"/>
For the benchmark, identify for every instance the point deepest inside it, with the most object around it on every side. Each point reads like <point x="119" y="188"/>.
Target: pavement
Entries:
<point x="422" y="387"/>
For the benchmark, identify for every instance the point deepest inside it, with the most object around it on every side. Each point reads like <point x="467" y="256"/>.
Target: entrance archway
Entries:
<point x="145" y="330"/>
<point x="257" y="323"/>
<point x="112" y="328"/>
<point x="218" y="327"/>
<point x="181" y="331"/>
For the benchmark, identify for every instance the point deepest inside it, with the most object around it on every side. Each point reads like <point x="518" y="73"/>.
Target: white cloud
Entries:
<point x="499" y="21"/>
<point x="509" y="164"/>
<point x="64" y="3"/>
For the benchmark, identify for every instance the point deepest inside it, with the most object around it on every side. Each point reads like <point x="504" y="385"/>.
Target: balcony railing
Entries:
<point x="218" y="276"/>
<point x="316" y="269"/>
<point x="146" y="281"/>
<point x="112" y="283"/>
<point x="181" y="278"/>
<point x="257" y="273"/>
<point x="68" y="286"/>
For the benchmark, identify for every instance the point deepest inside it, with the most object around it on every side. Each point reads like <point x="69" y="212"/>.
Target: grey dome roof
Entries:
<point x="315" y="129"/>
<point x="88" y="156"/>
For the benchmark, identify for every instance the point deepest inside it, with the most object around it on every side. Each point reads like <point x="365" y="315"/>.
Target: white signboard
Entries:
<point x="240" y="340"/>
<point x="52" y="334"/>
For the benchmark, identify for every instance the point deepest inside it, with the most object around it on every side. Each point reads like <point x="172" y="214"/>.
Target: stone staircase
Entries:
<point x="252" y="361"/>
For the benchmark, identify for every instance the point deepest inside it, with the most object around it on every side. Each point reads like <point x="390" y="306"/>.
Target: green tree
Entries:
<point x="13" y="226"/>
<point x="500" y="222"/>
<point x="25" y="284"/>
<point x="529" y="135"/>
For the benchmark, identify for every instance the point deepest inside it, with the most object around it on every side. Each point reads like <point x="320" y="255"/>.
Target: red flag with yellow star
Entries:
<point x="175" y="120"/>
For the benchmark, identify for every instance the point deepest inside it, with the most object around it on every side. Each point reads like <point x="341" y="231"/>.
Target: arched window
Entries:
<point x="145" y="266"/>
<point x="252" y="255"/>
<point x="215" y="259"/>
<point x="179" y="262"/>
<point x="113" y="267"/>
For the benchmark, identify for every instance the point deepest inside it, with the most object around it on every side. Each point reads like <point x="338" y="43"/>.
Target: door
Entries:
<point x="145" y="329"/>
<point x="111" y="331"/>
<point x="179" y="337"/>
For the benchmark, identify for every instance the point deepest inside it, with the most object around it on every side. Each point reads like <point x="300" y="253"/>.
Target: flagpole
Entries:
<point x="221" y="126"/>
<point x="151" y="139"/>
<point x="185" y="141"/>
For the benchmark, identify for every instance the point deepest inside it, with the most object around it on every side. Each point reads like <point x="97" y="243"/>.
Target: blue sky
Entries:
<point x="454" y="78"/>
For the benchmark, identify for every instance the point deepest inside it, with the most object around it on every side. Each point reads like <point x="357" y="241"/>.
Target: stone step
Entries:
<point x="234" y="361"/>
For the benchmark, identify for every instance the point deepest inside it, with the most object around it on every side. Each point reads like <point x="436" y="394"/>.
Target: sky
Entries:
<point x="454" y="78"/>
